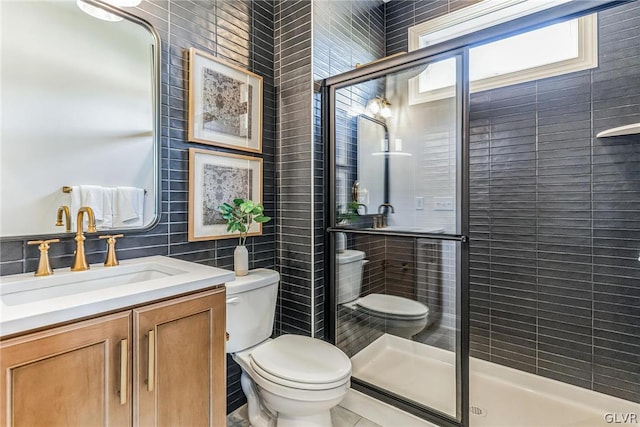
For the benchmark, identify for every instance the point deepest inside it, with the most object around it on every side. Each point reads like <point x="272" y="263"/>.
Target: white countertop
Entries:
<point x="28" y="302"/>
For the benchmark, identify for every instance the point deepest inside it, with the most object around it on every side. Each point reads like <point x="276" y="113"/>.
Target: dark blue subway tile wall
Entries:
<point x="240" y="32"/>
<point x="295" y="170"/>
<point x="345" y="33"/>
<point x="342" y="33"/>
<point x="402" y="14"/>
<point x="555" y="235"/>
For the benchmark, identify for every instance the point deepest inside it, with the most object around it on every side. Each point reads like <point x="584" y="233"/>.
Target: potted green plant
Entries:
<point x="240" y="214"/>
<point x="348" y="214"/>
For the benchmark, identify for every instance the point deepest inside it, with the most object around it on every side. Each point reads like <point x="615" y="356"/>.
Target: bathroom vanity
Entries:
<point x="149" y="350"/>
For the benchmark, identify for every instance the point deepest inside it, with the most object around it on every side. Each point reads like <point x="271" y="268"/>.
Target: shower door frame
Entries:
<point x="570" y="10"/>
<point x="462" y="226"/>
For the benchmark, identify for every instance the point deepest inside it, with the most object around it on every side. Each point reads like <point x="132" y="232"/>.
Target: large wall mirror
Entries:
<point x="79" y="118"/>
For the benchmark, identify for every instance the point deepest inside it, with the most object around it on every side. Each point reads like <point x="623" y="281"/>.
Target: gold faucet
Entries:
<point x="67" y="217"/>
<point x="80" y="259"/>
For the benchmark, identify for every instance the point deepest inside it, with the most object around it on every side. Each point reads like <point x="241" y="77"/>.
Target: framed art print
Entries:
<point x="216" y="178"/>
<point x="225" y="104"/>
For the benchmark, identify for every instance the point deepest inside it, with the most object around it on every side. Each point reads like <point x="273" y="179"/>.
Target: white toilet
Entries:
<point x="291" y="380"/>
<point x="402" y="317"/>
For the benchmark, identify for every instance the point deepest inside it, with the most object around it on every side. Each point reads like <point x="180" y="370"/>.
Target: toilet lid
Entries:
<point x="302" y="360"/>
<point x="397" y="307"/>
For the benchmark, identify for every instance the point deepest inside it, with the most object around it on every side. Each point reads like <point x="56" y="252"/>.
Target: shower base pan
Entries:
<point x="499" y="396"/>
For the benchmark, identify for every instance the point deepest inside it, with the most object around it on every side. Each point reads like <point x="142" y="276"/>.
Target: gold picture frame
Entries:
<point x="216" y="178"/>
<point x="225" y="104"/>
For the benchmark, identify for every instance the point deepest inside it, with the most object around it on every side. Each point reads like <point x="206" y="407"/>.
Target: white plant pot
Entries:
<point x="241" y="261"/>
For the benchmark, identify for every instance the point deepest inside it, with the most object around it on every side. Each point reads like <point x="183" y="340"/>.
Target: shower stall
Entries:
<point x="397" y="251"/>
<point x="400" y="263"/>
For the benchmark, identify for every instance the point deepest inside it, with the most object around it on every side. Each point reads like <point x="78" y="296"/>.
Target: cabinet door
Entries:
<point x="179" y="357"/>
<point x="69" y="376"/>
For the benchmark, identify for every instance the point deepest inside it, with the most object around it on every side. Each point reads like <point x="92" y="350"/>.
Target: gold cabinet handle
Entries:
<point x="151" y="367"/>
<point x="124" y="370"/>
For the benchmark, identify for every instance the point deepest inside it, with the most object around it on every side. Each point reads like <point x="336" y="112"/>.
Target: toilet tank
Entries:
<point x="349" y="280"/>
<point x="251" y="308"/>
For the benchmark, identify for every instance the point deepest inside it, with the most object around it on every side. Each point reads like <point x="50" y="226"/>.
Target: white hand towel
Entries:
<point x="128" y="207"/>
<point x="74" y="204"/>
<point x="93" y="197"/>
<point x="109" y="201"/>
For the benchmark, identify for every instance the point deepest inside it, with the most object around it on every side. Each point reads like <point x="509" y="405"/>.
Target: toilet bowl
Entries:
<point x="401" y="316"/>
<point x="291" y="380"/>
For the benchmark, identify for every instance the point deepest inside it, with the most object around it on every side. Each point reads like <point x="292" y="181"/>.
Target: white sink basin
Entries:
<point x="28" y="302"/>
<point x="61" y="285"/>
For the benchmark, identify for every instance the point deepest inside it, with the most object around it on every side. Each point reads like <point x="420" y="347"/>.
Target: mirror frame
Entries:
<point x="156" y="73"/>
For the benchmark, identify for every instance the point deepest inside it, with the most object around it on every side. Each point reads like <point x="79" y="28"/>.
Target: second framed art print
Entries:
<point x="216" y="178"/>
<point x="225" y="104"/>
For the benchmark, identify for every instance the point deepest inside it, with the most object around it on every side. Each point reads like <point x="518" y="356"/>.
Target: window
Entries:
<point x="545" y="52"/>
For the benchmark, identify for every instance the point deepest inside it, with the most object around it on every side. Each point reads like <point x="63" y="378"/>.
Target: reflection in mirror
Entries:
<point x="373" y="176"/>
<point x="402" y="154"/>
<point x="79" y="109"/>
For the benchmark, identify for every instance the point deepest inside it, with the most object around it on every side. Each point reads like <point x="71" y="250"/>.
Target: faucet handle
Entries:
<point x="44" y="268"/>
<point x="111" y="260"/>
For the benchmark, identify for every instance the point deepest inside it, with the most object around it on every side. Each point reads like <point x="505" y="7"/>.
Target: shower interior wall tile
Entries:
<point x="616" y="208"/>
<point x="512" y="209"/>
<point x="242" y="33"/>
<point x="564" y="231"/>
<point x="479" y="232"/>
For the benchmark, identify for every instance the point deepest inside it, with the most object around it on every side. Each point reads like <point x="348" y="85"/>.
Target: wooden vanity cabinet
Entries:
<point x="161" y="364"/>
<point x="179" y="360"/>
<point x="75" y="375"/>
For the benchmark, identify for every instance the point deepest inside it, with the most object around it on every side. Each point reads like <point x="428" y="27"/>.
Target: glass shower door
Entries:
<point x="398" y="234"/>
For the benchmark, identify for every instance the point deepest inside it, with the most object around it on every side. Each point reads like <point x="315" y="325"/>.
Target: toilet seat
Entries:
<point x="393" y="307"/>
<point x="301" y="362"/>
<point x="294" y="384"/>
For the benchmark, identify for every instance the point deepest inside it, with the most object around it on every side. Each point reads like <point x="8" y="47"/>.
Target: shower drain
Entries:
<point x="478" y="411"/>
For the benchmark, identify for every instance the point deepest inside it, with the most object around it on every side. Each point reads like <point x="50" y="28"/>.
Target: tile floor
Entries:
<point x="349" y="414"/>
<point x="340" y="417"/>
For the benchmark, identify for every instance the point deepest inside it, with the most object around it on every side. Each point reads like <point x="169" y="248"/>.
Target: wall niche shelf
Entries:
<point x="620" y="131"/>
